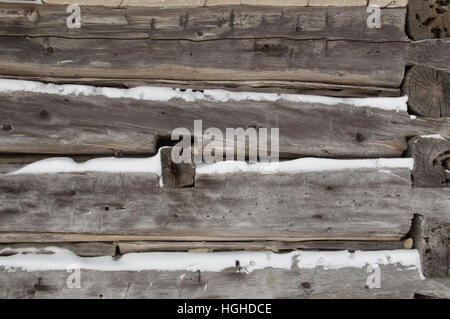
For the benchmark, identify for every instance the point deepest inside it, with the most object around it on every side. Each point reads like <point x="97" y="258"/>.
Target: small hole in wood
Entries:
<point x="6" y="127"/>
<point x="306" y="285"/>
<point x="44" y="114"/>
<point x="50" y="50"/>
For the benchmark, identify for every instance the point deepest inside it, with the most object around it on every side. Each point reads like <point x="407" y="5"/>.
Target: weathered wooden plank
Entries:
<point x="396" y="282"/>
<point x="202" y="3"/>
<point x="428" y="91"/>
<point x="99" y="125"/>
<point x="92" y="249"/>
<point x="433" y="53"/>
<point x="431" y="160"/>
<point x="428" y="19"/>
<point x="275" y="246"/>
<point x="203" y="23"/>
<point x="321" y="60"/>
<point x="437" y="287"/>
<point x="314" y="88"/>
<point x="251" y="205"/>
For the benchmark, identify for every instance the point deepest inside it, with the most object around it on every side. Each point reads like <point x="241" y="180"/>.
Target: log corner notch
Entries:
<point x="428" y="91"/>
<point x="431" y="161"/>
<point x="427" y="19"/>
<point x="175" y="175"/>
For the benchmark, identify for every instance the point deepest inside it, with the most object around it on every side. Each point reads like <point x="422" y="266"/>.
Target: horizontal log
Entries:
<point x="435" y="288"/>
<point x="56" y="124"/>
<point x="293" y="277"/>
<point x="433" y="53"/>
<point x="202" y="3"/>
<point x="317" y="283"/>
<point x="203" y="23"/>
<point x="318" y="60"/>
<point x="233" y="206"/>
<point x="149" y="246"/>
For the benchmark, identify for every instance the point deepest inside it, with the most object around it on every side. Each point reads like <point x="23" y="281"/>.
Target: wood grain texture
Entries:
<point x="274" y="246"/>
<point x="203" y="23"/>
<point x="323" y="61"/>
<point x="428" y="91"/>
<point x="244" y="59"/>
<point x="345" y="205"/>
<point x="99" y="125"/>
<point x="175" y="174"/>
<point x="397" y="282"/>
<point x="314" y="88"/>
<point x="428" y="19"/>
<point x="431" y="157"/>
<point x="202" y="3"/>
<point x="434" y="53"/>
<point x="431" y="237"/>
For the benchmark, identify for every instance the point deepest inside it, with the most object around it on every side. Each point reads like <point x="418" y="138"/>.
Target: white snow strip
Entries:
<point x="165" y="94"/>
<point x="104" y="164"/>
<point x="23" y="1"/>
<point x="62" y="259"/>
<point x="153" y="165"/>
<point x="302" y="165"/>
<point x="435" y="136"/>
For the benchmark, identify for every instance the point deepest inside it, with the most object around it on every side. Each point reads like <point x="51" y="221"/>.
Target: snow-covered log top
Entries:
<point x="62" y="259"/>
<point x="152" y="93"/>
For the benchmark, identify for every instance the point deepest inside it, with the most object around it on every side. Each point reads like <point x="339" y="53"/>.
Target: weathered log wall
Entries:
<point x="318" y="47"/>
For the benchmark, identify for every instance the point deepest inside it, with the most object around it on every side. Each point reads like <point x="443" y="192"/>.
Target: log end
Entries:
<point x="175" y="175"/>
<point x="431" y="160"/>
<point x="428" y="91"/>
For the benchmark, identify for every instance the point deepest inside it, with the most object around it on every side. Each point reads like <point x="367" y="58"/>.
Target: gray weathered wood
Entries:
<point x="175" y="174"/>
<point x="92" y="249"/>
<point x="428" y="91"/>
<point x="320" y="60"/>
<point x="202" y="3"/>
<point x="436" y="287"/>
<point x="92" y="204"/>
<point x="432" y="238"/>
<point x="431" y="157"/>
<point x="433" y="53"/>
<point x="148" y="246"/>
<point x="99" y="125"/>
<point x="428" y="19"/>
<point x="396" y="282"/>
<point x="249" y="205"/>
<point x="314" y="88"/>
<point x="203" y="23"/>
